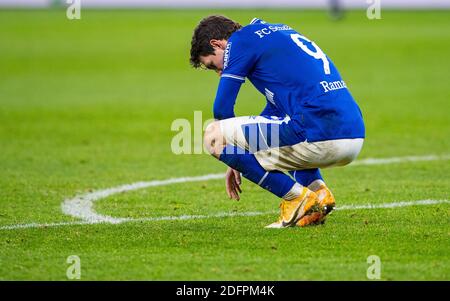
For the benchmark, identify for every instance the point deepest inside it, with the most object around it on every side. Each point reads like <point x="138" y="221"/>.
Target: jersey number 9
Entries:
<point x="318" y="54"/>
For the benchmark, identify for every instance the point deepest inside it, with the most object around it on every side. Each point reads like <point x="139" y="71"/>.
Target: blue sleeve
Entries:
<point x="226" y="98"/>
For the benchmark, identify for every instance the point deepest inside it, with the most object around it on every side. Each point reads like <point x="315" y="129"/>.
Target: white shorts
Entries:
<point x="302" y="155"/>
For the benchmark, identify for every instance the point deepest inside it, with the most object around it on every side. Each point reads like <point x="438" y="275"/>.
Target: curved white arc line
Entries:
<point x="227" y="214"/>
<point x="82" y="206"/>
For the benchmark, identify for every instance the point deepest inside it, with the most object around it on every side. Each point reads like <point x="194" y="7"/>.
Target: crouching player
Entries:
<point x="310" y="120"/>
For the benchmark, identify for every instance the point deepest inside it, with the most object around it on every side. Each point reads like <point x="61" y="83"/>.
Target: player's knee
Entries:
<point x="213" y="139"/>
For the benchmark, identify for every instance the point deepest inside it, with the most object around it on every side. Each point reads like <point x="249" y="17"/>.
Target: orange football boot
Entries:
<point x="292" y="211"/>
<point x="326" y="203"/>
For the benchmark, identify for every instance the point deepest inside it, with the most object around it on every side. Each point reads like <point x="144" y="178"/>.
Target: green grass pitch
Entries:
<point x="88" y="104"/>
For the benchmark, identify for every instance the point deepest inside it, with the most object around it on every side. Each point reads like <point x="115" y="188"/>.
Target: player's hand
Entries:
<point x="233" y="183"/>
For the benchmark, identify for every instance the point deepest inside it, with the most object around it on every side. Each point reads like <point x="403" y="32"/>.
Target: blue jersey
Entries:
<point x="296" y="77"/>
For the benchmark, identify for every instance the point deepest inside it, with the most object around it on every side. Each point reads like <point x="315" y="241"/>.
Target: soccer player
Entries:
<point x="310" y="121"/>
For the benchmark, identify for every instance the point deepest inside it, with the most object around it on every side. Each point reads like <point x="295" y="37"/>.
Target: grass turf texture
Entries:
<point x="88" y="104"/>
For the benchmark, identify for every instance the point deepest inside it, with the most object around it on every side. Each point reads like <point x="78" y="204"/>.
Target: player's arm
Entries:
<point x="226" y="98"/>
<point x="224" y="108"/>
<point x="237" y="66"/>
<point x="239" y="59"/>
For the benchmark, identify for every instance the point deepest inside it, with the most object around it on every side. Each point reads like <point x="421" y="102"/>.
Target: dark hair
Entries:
<point x="212" y="27"/>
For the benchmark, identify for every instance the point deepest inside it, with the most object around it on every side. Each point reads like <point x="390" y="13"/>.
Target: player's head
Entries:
<point x="209" y="42"/>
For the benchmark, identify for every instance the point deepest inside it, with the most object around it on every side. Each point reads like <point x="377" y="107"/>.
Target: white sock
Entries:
<point x="314" y="186"/>
<point x="295" y="192"/>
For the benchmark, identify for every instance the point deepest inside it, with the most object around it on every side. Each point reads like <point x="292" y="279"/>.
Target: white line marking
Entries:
<point x="380" y="161"/>
<point x="226" y="214"/>
<point x="36" y="225"/>
<point x="393" y="205"/>
<point x="82" y="206"/>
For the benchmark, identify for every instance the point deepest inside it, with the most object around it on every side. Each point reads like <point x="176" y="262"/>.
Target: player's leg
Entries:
<point x="307" y="177"/>
<point x="241" y="160"/>
<point x="310" y="178"/>
<point x="305" y="158"/>
<point x="298" y="201"/>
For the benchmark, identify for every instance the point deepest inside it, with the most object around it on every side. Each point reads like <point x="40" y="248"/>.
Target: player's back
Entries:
<point x="297" y="77"/>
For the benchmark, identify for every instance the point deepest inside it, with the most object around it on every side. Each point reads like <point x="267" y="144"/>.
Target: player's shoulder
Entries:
<point x="247" y="32"/>
<point x="256" y="30"/>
